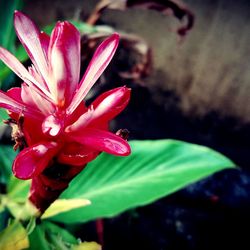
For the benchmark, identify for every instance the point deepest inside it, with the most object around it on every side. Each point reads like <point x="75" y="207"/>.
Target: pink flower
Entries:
<point x="56" y="125"/>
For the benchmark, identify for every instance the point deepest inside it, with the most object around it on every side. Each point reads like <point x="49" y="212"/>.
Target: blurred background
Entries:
<point x="188" y="67"/>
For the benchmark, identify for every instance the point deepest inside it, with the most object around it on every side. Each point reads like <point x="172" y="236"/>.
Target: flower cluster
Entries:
<point x="58" y="132"/>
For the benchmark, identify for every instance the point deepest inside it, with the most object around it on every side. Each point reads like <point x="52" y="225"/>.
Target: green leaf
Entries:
<point x="4" y="215"/>
<point x="37" y="239"/>
<point x="21" y="211"/>
<point x="88" y="246"/>
<point x="3" y="115"/>
<point x="63" y="205"/>
<point x="31" y="225"/>
<point x="18" y="189"/>
<point x="14" y="237"/>
<point x="7" y="155"/>
<point x="153" y="170"/>
<point x="21" y="54"/>
<point x="16" y="199"/>
<point x="57" y="232"/>
<point x="7" y="33"/>
<point x="83" y="27"/>
<point x="48" y="236"/>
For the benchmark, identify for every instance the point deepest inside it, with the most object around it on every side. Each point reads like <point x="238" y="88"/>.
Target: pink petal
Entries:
<point x="32" y="131"/>
<point x="26" y="95"/>
<point x="104" y="108"/>
<point x="110" y="104"/>
<point x="14" y="106"/>
<point x="32" y="70"/>
<point x="33" y="160"/>
<point x="64" y="57"/>
<point x="44" y="39"/>
<point x="81" y="109"/>
<point x="52" y="126"/>
<point x="29" y="36"/>
<point x="82" y="121"/>
<point x="76" y="154"/>
<point x="98" y="64"/>
<point x="33" y="99"/>
<point x="102" y="141"/>
<point x="15" y="93"/>
<point x="13" y="63"/>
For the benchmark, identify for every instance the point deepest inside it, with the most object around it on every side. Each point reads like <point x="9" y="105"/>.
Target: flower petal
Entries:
<point x="64" y="58"/>
<point x="13" y="63"/>
<point x="29" y="36"/>
<point x="37" y="135"/>
<point x="39" y="79"/>
<point x="33" y="160"/>
<point x="15" y="93"/>
<point x="52" y="126"/>
<point x="81" y="122"/>
<point x="110" y="104"/>
<point x="81" y="109"/>
<point x="102" y="141"/>
<point x="104" y="108"/>
<point x="33" y="99"/>
<point x="14" y="106"/>
<point x="75" y="154"/>
<point x="98" y="64"/>
<point x="44" y="39"/>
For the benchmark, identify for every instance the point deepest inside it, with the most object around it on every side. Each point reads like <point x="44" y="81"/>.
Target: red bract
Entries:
<point x="59" y="130"/>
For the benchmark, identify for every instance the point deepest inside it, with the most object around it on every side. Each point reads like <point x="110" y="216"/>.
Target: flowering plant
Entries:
<point x="58" y="136"/>
<point x="57" y="133"/>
